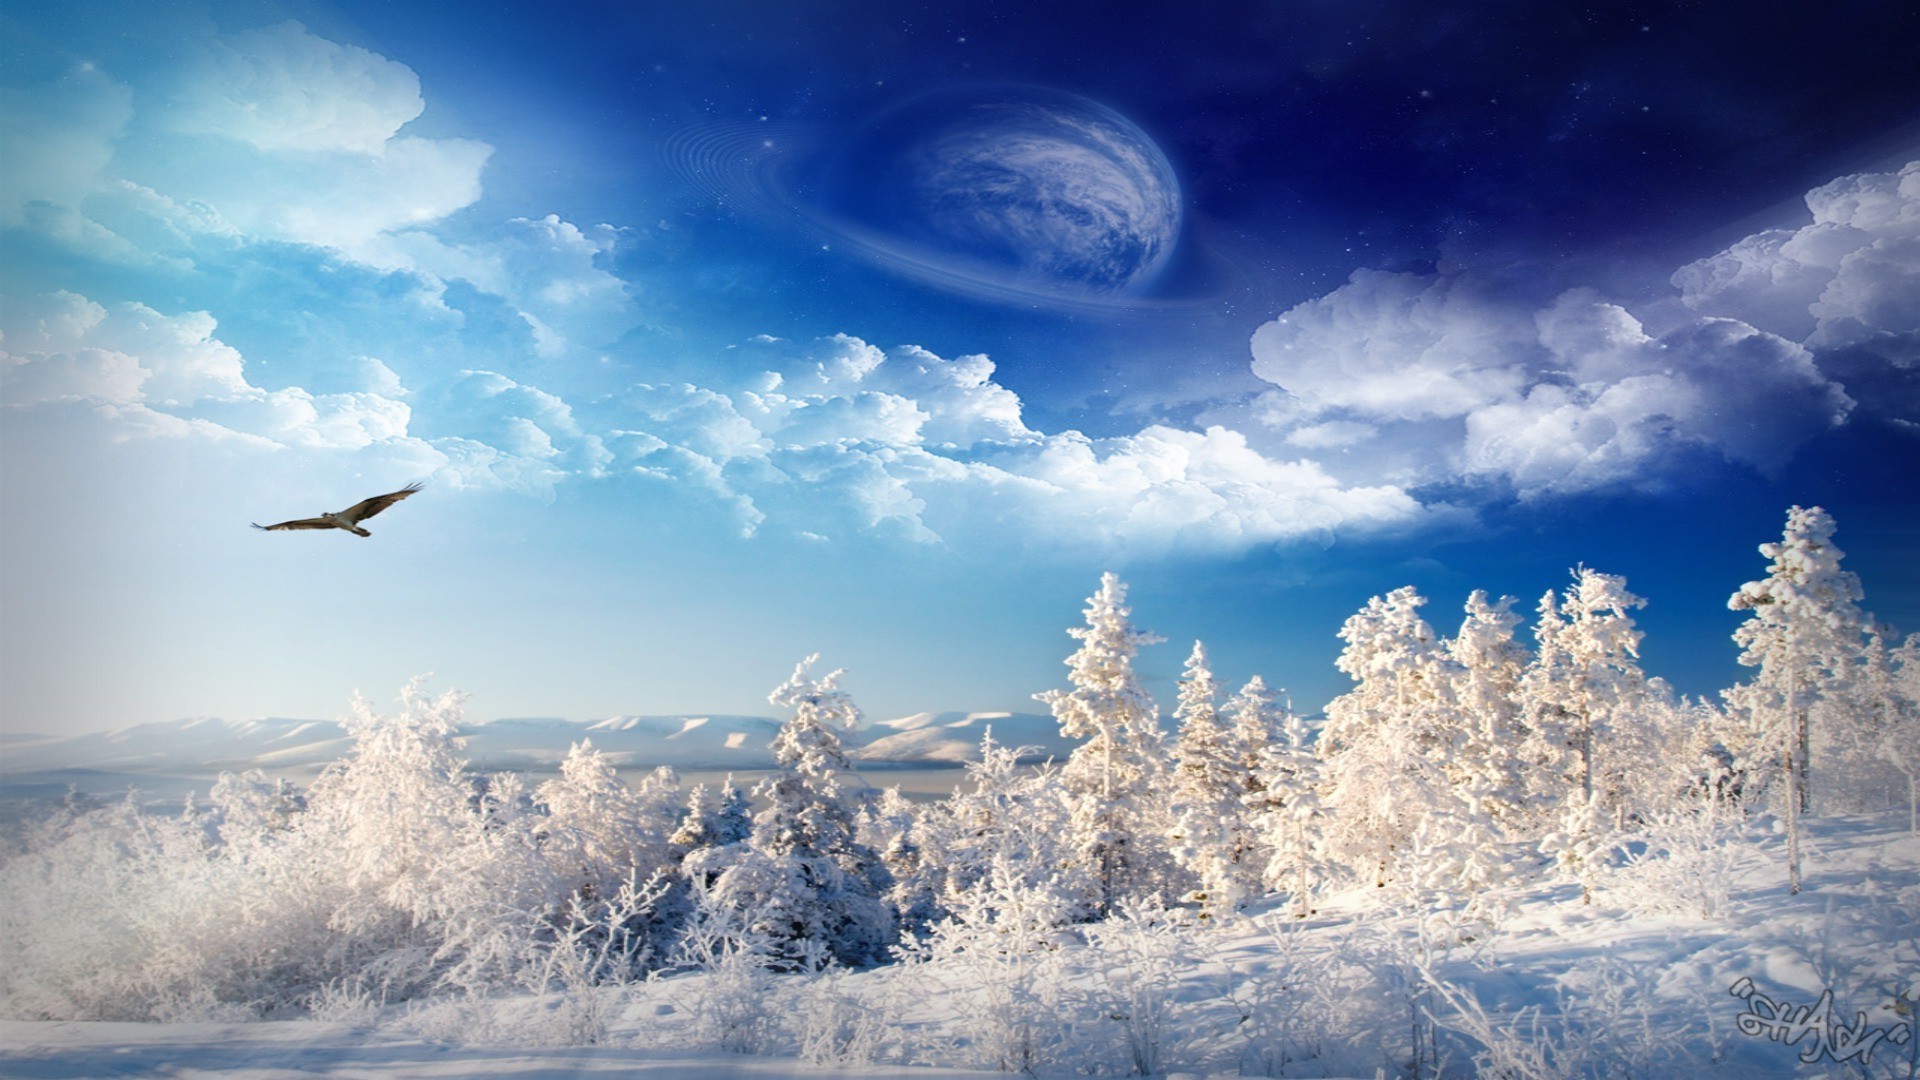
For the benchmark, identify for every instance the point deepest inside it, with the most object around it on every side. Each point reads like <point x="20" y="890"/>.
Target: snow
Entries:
<point x="283" y="1050"/>
<point x="1658" y="989"/>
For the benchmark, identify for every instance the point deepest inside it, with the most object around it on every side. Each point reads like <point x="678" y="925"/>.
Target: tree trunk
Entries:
<point x="1803" y="731"/>
<point x="1913" y="803"/>
<point x="1795" y="791"/>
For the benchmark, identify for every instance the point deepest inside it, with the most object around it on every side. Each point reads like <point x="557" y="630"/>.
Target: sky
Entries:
<point x="725" y="334"/>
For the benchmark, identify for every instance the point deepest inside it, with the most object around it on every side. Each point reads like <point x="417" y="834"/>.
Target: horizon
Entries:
<point x="723" y="339"/>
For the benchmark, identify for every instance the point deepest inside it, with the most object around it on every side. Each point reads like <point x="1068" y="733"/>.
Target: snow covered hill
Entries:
<point x="954" y="738"/>
<point x="202" y="747"/>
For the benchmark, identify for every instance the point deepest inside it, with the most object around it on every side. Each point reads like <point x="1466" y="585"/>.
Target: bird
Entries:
<point x="348" y="519"/>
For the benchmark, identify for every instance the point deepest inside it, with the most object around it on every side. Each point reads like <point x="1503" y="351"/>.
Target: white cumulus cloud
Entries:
<point x="282" y="88"/>
<point x="849" y="437"/>
<point x="1440" y="381"/>
<point x="1849" y="277"/>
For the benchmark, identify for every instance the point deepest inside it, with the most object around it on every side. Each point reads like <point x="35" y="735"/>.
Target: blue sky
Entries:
<point x="710" y="355"/>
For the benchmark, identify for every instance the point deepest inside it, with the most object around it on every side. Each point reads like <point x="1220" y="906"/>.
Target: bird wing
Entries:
<point x="303" y="523"/>
<point x="366" y="508"/>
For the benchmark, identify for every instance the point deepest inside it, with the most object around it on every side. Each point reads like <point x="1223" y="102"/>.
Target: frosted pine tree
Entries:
<point x="1010" y="817"/>
<point x="802" y="881"/>
<point x="1385" y="741"/>
<point x="1857" y="773"/>
<point x="1583" y="699"/>
<point x="1257" y="724"/>
<point x="892" y="826"/>
<point x="1109" y="778"/>
<point x="1488" y="666"/>
<point x="714" y="818"/>
<point x="1803" y="634"/>
<point x="1209" y="836"/>
<point x="1900" y="744"/>
<point x="1285" y="811"/>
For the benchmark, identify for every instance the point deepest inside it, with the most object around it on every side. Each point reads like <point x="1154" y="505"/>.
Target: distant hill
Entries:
<point x="954" y="738"/>
<point x="204" y="746"/>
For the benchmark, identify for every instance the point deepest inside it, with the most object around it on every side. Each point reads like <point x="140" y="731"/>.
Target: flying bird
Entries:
<point x="348" y="519"/>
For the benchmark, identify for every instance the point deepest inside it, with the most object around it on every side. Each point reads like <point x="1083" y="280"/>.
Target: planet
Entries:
<point x="1021" y="192"/>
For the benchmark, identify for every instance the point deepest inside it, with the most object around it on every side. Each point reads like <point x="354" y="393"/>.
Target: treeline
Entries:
<point x="1454" y="768"/>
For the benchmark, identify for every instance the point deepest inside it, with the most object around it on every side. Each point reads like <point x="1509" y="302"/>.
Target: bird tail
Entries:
<point x="358" y="531"/>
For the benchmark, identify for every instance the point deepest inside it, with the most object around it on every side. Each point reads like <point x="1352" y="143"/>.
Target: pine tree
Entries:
<point x="1852" y="760"/>
<point x="1257" y="724"/>
<point x="1385" y="741"/>
<point x="1583" y="699"/>
<point x="1285" y="810"/>
<point x="802" y="880"/>
<point x="1209" y="837"/>
<point x="1489" y="665"/>
<point x="1803" y="634"/>
<point x="1900" y="744"/>
<point x="1110" y="776"/>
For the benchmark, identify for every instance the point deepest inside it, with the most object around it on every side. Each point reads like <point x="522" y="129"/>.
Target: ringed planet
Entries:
<point x="1022" y="195"/>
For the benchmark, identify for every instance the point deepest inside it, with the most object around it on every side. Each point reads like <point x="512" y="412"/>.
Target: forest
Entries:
<point x="1243" y="888"/>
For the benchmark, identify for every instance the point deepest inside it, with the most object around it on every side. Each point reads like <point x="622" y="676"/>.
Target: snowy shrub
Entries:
<point x="1138" y="960"/>
<point x="121" y="914"/>
<point x="344" y="1002"/>
<point x="1001" y="949"/>
<point x="731" y="1000"/>
<point x="1608" y="1019"/>
<point x="598" y="832"/>
<point x="1290" y="1004"/>
<point x="1677" y="862"/>
<point x="1010" y="823"/>
<point x="839" y="1025"/>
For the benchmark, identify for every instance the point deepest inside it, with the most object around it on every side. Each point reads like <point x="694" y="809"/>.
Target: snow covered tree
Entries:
<point x="1581" y="694"/>
<point x="713" y="818"/>
<point x="1258" y="722"/>
<point x="1850" y="748"/>
<point x="1900" y="743"/>
<point x="1110" y="777"/>
<point x="1583" y="701"/>
<point x="1386" y="739"/>
<point x="1284" y="809"/>
<point x="1011" y="817"/>
<point x="600" y="832"/>
<point x="1489" y="664"/>
<point x="892" y="826"/>
<point x="1803" y="634"/>
<point x="802" y="879"/>
<point x="1209" y="836"/>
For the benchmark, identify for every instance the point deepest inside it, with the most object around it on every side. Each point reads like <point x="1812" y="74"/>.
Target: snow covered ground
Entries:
<point x="1637" y="983"/>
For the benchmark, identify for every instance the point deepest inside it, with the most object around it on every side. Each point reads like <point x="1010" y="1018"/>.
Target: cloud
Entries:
<point x="550" y="269"/>
<point x="1432" y="379"/>
<point x="344" y="200"/>
<point x="1848" y="278"/>
<point x="517" y="421"/>
<point x="152" y="375"/>
<point x="59" y="137"/>
<point x="1397" y="347"/>
<point x="65" y="348"/>
<point x="281" y="88"/>
<point x="851" y="438"/>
